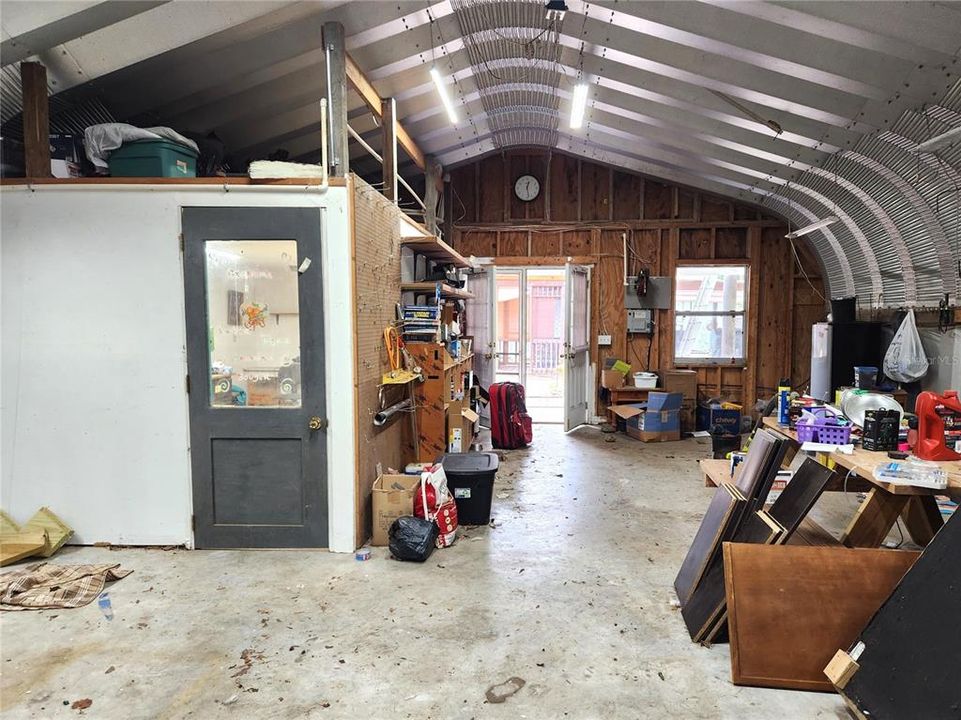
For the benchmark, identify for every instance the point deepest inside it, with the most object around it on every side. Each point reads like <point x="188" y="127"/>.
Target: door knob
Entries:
<point x="316" y="423"/>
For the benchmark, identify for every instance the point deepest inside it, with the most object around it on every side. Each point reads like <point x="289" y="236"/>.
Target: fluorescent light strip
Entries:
<point x="444" y="96"/>
<point x="807" y="229"/>
<point x="578" y="105"/>
<point x="940" y="141"/>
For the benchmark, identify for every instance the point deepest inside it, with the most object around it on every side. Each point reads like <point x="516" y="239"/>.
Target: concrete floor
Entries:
<point x="571" y="591"/>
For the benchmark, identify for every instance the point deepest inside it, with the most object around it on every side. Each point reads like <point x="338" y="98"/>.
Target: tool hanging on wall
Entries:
<point x="396" y="352"/>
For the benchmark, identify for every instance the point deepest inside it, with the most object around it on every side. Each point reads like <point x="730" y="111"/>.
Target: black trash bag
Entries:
<point x="412" y="538"/>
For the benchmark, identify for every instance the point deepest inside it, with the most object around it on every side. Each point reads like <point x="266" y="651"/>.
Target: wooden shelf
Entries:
<point x="446" y="291"/>
<point x="437" y="250"/>
<point x="454" y="363"/>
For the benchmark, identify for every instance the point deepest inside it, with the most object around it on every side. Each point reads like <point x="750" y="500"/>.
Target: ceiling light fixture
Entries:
<point x="941" y="141"/>
<point x="555" y="9"/>
<point x="807" y="229"/>
<point x="578" y="105"/>
<point x="444" y="96"/>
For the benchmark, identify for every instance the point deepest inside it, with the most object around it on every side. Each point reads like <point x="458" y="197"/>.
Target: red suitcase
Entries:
<point x="510" y="424"/>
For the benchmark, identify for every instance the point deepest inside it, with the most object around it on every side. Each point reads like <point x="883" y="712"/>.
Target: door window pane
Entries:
<point x="253" y="316"/>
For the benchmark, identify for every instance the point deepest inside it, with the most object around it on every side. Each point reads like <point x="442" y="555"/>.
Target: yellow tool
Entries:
<point x="395" y="347"/>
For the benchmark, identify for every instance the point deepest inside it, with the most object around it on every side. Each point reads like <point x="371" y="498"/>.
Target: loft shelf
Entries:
<point x="446" y="291"/>
<point x="437" y="250"/>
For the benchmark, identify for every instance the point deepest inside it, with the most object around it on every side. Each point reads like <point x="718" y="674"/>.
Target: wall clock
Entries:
<point x="527" y="187"/>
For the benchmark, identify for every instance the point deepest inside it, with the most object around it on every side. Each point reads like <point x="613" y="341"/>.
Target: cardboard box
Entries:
<point x="461" y="426"/>
<point x="682" y="381"/>
<point x="646" y="436"/>
<point x="612" y="379"/>
<point x="709" y="416"/>
<point x="392" y="497"/>
<point x="654" y="421"/>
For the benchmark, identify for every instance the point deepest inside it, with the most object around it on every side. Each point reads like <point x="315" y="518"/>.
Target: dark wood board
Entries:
<point x="800" y="494"/>
<point x="719" y="523"/>
<point x="757" y="463"/>
<point x="705" y="612"/>
<point x="791" y="607"/>
<point x="912" y="646"/>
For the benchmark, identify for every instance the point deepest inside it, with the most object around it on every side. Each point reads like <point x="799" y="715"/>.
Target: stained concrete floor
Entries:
<point x="570" y="590"/>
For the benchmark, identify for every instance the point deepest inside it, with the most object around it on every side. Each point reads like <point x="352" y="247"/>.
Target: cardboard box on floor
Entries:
<point x="657" y="420"/>
<point x="392" y="497"/>
<point x="461" y="426"/>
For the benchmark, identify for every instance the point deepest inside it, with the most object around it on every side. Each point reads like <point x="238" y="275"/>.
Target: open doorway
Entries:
<point x="529" y="342"/>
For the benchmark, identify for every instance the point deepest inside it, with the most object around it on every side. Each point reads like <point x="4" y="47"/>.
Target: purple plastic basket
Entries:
<point x="826" y="428"/>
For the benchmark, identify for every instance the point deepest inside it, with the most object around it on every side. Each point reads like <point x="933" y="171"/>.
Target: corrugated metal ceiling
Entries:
<point x="679" y="90"/>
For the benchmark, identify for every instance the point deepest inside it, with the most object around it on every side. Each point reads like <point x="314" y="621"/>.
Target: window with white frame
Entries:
<point x="709" y="314"/>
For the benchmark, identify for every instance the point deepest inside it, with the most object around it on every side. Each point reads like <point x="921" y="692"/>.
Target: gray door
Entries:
<point x="255" y="357"/>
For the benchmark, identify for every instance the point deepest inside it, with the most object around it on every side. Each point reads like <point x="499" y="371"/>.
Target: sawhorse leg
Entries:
<point x="874" y="518"/>
<point x="922" y="518"/>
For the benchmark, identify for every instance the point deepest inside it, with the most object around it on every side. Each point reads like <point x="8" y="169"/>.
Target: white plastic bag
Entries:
<point x="905" y="360"/>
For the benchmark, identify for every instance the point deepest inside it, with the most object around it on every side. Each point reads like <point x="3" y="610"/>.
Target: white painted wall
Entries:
<point x="93" y="409"/>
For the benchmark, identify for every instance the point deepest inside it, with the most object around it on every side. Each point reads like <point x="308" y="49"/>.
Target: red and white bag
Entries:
<point x="440" y="506"/>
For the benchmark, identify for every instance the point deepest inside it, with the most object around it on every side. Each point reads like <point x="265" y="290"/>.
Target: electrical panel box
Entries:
<point x="640" y="321"/>
<point x="658" y="294"/>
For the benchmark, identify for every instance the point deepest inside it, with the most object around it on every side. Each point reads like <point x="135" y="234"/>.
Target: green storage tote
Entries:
<point x="153" y="158"/>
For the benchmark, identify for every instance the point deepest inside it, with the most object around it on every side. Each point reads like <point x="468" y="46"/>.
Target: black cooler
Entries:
<point x="470" y="478"/>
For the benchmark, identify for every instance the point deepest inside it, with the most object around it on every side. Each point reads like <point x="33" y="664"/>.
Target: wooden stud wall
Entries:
<point x="376" y="253"/>
<point x="585" y="209"/>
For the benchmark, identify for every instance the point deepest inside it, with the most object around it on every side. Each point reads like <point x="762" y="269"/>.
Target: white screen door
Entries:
<point x="577" y="345"/>
<point x="479" y="326"/>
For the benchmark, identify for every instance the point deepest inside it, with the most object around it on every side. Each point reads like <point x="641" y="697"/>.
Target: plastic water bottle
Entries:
<point x="105" y="607"/>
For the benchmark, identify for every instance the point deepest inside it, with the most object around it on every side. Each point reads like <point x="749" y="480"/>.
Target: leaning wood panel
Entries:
<point x="909" y="663"/>
<point x="790" y="607"/>
<point x="376" y="241"/>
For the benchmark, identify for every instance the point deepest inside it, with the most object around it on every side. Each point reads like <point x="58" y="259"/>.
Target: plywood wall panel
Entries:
<point x="491" y="189"/>
<point x="730" y="243"/>
<point x="595" y="192"/>
<point x="695" y="244"/>
<point x="715" y="210"/>
<point x="685" y="205"/>
<point x="578" y="243"/>
<point x="658" y="201"/>
<point x="512" y="244"/>
<point x="537" y="166"/>
<point x="477" y="243"/>
<point x="545" y="244"/>
<point x="775" y="327"/>
<point x="517" y="167"/>
<point x="627" y="196"/>
<point x="463" y="182"/>
<point x="564" y="188"/>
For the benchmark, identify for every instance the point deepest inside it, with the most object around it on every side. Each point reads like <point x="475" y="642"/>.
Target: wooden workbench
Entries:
<point x="885" y="502"/>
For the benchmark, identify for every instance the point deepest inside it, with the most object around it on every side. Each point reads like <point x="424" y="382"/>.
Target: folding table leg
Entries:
<point x="874" y="519"/>
<point x="922" y="518"/>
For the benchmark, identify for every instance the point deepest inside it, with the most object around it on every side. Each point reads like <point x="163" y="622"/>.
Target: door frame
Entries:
<point x="306" y="226"/>
<point x="522" y="271"/>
